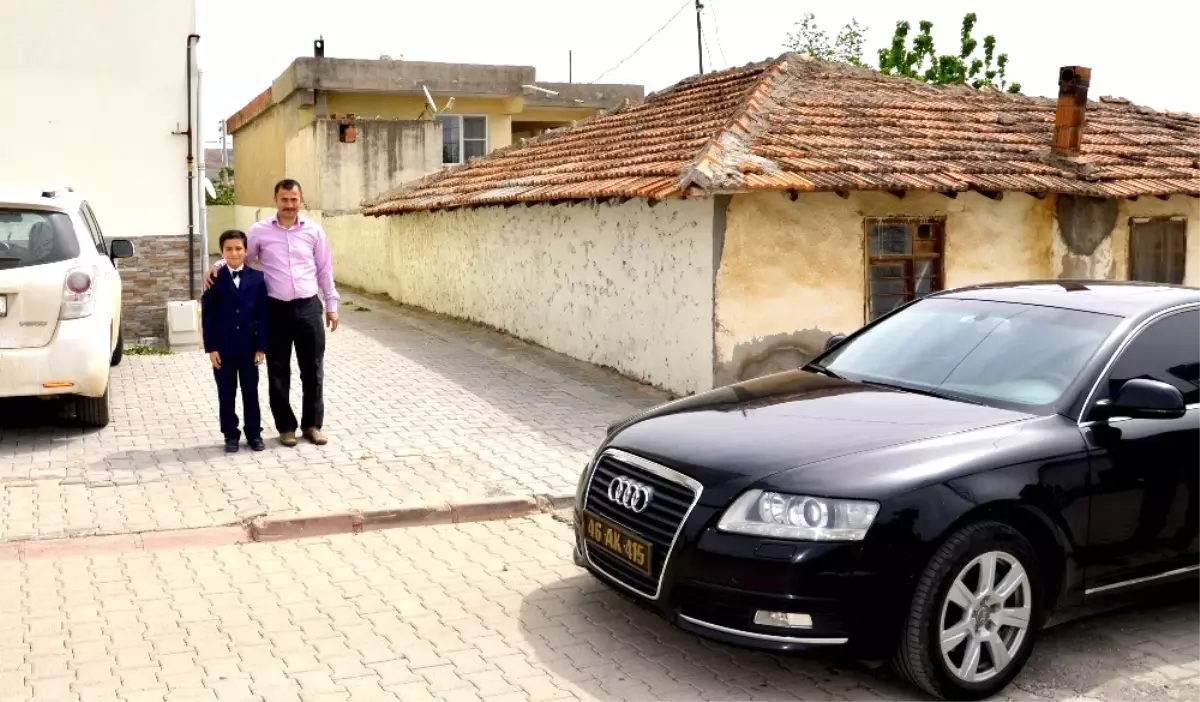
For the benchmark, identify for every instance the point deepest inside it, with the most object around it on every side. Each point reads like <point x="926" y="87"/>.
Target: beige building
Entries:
<point x="349" y="129"/>
<point x="725" y="227"/>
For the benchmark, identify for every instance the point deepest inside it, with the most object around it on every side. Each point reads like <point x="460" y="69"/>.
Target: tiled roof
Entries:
<point x="797" y="123"/>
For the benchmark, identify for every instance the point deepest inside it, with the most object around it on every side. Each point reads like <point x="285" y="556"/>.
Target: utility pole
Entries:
<point x="699" y="35"/>
<point x="224" y="153"/>
<point x="570" y="66"/>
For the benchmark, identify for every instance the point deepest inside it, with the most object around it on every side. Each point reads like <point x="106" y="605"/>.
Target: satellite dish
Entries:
<point x="429" y="100"/>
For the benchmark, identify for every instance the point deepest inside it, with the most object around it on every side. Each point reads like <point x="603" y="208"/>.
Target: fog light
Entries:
<point x="790" y="620"/>
<point x="53" y="384"/>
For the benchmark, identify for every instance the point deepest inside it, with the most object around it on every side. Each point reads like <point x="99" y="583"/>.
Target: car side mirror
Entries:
<point x="1142" y="398"/>
<point x="833" y="341"/>
<point x="120" y="248"/>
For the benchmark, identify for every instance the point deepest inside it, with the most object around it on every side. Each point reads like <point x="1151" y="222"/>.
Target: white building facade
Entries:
<point x="98" y="99"/>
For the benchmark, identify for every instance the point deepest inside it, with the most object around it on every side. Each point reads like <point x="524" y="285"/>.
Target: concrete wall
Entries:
<point x="385" y="154"/>
<point x="625" y="286"/>
<point x="90" y="86"/>
<point x="794" y="272"/>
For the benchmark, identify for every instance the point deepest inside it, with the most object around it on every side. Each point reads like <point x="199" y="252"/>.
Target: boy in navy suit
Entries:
<point x="233" y="314"/>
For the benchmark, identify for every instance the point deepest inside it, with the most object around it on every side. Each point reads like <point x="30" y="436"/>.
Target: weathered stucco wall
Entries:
<point x="625" y="286"/>
<point x="793" y="272"/>
<point x="1091" y="237"/>
<point x="384" y="154"/>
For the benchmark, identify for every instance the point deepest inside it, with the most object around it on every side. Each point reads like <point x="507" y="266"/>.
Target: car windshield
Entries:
<point x="35" y="237"/>
<point x="976" y="350"/>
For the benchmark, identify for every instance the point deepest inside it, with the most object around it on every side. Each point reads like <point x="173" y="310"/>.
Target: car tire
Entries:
<point x="987" y="623"/>
<point x="118" y="352"/>
<point x="93" y="411"/>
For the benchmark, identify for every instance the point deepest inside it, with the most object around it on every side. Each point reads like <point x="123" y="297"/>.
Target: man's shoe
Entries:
<point x="315" y="436"/>
<point x="231" y="446"/>
<point x="287" y="438"/>
<point x="257" y="444"/>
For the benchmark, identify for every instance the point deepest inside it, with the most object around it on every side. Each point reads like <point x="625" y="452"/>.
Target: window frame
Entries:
<point x="1130" y="261"/>
<point x="907" y="260"/>
<point x="462" y="137"/>
<point x="93" y="227"/>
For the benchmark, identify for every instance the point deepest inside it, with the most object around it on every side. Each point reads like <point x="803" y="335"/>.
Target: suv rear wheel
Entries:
<point x="93" y="411"/>
<point x="120" y="350"/>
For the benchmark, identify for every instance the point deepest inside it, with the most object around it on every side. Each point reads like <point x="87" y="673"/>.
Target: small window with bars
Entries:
<point x="1158" y="249"/>
<point x="904" y="261"/>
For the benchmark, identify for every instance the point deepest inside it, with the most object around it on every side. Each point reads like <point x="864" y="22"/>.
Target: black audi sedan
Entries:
<point x="931" y="490"/>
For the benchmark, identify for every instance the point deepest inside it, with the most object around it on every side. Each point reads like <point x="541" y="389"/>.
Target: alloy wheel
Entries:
<point x="985" y="617"/>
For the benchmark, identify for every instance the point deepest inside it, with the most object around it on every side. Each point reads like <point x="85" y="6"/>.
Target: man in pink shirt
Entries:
<point x="294" y="254"/>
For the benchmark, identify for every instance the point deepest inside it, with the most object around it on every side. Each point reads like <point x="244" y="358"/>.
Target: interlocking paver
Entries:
<point x="423" y="613"/>
<point x="419" y="409"/>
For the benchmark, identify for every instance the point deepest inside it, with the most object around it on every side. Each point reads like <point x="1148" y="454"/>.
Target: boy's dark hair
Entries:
<point x="288" y="184"/>
<point x="230" y="234"/>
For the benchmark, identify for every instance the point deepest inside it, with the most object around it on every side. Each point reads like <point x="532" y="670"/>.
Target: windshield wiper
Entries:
<point x="823" y="371"/>
<point x="921" y="391"/>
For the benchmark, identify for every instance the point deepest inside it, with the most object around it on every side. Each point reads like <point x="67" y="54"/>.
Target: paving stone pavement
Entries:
<point x="419" y="409"/>
<point x="492" y="611"/>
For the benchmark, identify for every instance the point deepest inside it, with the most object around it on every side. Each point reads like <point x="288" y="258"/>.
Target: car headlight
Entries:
<point x="799" y="517"/>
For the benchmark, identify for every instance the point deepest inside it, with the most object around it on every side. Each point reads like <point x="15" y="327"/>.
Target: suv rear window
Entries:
<point x="35" y="237"/>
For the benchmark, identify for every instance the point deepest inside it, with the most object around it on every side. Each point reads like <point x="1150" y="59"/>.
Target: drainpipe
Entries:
<point x="201" y="187"/>
<point x="191" y="170"/>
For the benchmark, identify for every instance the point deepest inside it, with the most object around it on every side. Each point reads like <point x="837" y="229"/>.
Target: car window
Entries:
<point x="1167" y="350"/>
<point x="35" y="238"/>
<point x="992" y="352"/>
<point x="89" y="219"/>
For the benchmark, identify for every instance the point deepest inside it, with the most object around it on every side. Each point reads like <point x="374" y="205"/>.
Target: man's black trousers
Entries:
<point x="298" y="323"/>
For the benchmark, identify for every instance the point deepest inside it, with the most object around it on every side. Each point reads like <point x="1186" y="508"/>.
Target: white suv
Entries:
<point x="60" y="301"/>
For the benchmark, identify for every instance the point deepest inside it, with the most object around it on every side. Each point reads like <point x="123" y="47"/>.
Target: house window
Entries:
<point x="1157" y="250"/>
<point x="463" y="138"/>
<point x="904" y="261"/>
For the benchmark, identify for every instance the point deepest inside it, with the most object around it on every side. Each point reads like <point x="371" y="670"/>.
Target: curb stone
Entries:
<point x="267" y="529"/>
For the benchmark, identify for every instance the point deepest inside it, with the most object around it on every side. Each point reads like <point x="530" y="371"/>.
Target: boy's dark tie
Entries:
<point x="236" y="274"/>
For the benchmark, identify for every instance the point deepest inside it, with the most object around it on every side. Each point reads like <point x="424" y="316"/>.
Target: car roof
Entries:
<point x="1119" y="298"/>
<point x="53" y="197"/>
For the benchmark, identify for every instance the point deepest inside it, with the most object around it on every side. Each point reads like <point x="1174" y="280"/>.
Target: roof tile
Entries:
<point x="797" y="123"/>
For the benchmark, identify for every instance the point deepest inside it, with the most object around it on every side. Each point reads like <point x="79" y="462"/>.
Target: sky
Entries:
<point x="1147" y="57"/>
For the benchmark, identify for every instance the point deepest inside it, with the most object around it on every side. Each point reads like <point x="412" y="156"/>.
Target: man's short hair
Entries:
<point x="288" y="184"/>
<point x="230" y="234"/>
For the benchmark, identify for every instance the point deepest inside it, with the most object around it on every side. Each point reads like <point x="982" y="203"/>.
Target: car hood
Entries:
<point x="736" y="435"/>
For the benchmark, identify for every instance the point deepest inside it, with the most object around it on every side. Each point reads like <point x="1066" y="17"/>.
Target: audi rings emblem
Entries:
<point x="630" y="494"/>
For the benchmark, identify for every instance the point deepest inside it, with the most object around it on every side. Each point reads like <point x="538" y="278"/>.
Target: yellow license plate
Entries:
<point x="617" y="541"/>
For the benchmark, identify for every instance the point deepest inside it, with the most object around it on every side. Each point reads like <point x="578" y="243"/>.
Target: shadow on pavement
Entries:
<point x="611" y="648"/>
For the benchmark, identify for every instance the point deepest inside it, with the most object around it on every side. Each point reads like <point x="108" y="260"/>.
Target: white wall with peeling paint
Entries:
<point x="625" y="286"/>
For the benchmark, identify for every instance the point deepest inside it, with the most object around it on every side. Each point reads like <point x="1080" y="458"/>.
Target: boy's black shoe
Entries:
<point x="257" y="445"/>
<point x="231" y="446"/>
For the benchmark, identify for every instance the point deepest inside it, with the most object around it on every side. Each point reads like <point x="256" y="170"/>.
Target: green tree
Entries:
<point x="809" y="38"/>
<point x="921" y="62"/>
<point x="223" y="184"/>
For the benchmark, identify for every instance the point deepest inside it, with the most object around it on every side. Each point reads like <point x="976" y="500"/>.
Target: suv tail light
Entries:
<point x="79" y="293"/>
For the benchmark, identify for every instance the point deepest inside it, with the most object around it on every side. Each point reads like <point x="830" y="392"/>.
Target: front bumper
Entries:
<point x="714" y="583"/>
<point x="78" y="354"/>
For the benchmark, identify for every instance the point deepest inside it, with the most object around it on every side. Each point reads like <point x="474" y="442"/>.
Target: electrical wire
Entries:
<point x="717" y="31"/>
<point x="682" y="7"/>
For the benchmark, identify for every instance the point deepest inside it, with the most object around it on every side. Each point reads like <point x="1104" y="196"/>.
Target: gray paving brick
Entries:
<point x="418" y="409"/>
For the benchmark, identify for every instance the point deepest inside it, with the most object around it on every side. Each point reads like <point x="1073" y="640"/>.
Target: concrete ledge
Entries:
<point x="267" y="529"/>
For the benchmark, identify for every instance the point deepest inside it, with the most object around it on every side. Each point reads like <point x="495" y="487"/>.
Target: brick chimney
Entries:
<point x="1072" y="109"/>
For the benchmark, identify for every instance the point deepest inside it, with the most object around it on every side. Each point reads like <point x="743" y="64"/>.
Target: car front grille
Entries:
<point x="660" y="524"/>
